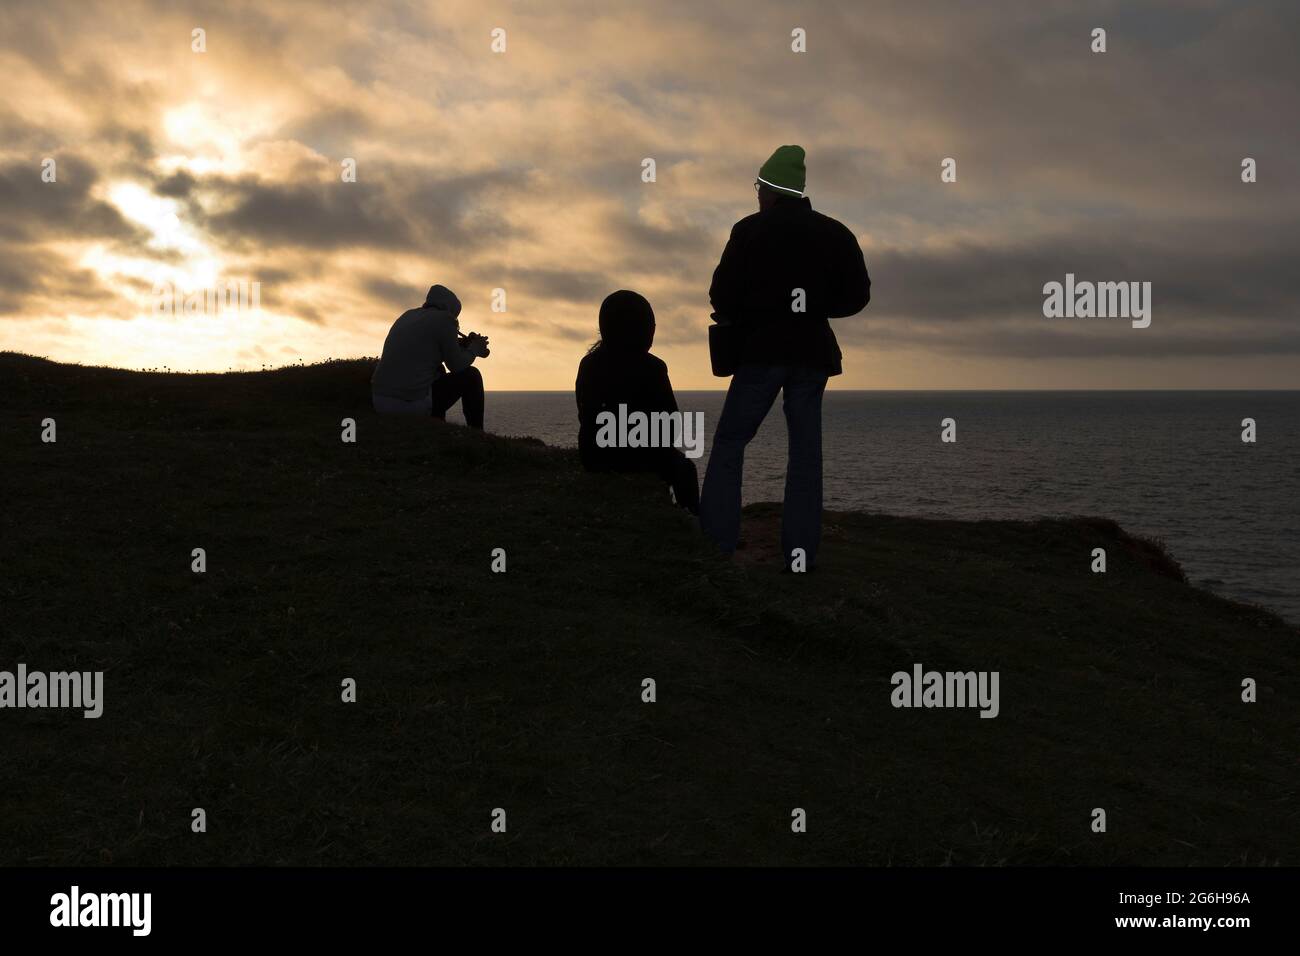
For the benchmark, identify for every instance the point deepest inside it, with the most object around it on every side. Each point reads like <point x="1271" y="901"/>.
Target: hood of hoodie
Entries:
<point x="442" y="299"/>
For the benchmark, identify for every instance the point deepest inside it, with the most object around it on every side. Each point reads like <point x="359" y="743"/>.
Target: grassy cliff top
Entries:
<point x="522" y="690"/>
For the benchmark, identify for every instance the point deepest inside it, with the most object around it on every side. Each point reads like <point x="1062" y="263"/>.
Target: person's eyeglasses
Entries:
<point x="757" y="185"/>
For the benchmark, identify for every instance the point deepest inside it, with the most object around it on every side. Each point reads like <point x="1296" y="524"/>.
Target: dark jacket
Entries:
<point x="606" y="379"/>
<point x="769" y="255"/>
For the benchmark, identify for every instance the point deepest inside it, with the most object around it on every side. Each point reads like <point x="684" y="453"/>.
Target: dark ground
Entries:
<point x="523" y="690"/>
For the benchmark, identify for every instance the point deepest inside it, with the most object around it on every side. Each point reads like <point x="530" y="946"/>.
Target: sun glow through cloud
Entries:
<point x="202" y="145"/>
<point x="159" y="215"/>
<point x="186" y="261"/>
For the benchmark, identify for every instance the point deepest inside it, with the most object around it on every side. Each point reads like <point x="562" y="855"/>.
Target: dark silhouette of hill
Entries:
<point x="522" y="690"/>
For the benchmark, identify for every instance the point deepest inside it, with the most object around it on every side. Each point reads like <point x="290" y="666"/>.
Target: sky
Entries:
<point x="523" y="169"/>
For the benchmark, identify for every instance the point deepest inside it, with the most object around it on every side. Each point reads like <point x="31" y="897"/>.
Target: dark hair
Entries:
<point x="627" y="323"/>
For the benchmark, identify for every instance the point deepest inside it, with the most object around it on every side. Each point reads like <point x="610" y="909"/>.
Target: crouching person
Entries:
<point x="410" y="378"/>
<point x="619" y="370"/>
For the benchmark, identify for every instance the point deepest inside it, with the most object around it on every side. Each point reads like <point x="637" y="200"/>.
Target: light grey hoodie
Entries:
<point x="420" y="342"/>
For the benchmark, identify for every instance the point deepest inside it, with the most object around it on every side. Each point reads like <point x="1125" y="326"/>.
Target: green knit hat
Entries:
<point x="784" y="170"/>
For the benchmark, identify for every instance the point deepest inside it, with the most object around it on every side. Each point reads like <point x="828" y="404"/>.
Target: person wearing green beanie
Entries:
<point x="786" y="271"/>
<point x="784" y="171"/>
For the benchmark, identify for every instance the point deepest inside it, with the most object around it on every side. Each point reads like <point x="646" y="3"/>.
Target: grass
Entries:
<point x="522" y="690"/>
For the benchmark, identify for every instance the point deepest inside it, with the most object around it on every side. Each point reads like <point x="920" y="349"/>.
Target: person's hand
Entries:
<point x="477" y="345"/>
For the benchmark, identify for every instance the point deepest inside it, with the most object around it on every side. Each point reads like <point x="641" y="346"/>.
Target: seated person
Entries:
<point x="410" y="380"/>
<point x="619" y="369"/>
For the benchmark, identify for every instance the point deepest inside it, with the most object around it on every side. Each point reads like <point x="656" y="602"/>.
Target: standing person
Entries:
<point x="619" y="370"/>
<point x="410" y="380"/>
<point x="786" y="270"/>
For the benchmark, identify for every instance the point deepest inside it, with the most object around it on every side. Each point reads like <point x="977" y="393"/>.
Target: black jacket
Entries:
<point x="774" y="252"/>
<point x="606" y="379"/>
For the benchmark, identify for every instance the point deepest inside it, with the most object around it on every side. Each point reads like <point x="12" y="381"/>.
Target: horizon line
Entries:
<point x="718" y="388"/>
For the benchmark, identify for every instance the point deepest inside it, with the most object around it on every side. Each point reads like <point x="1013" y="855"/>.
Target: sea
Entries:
<point x="1165" y="464"/>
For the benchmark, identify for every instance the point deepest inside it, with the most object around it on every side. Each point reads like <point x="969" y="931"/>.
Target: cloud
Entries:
<point x="37" y="220"/>
<point x="523" y="170"/>
<point x="399" y="295"/>
<point x="1214" y="289"/>
<point x="409" y="208"/>
<point x="33" y="210"/>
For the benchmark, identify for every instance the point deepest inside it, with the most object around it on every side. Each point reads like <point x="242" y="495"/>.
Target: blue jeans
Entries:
<point x="749" y="399"/>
